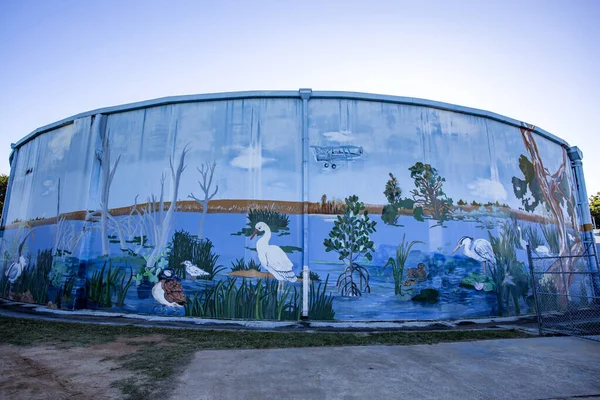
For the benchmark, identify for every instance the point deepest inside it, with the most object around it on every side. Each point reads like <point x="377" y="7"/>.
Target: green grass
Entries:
<point x="153" y="365"/>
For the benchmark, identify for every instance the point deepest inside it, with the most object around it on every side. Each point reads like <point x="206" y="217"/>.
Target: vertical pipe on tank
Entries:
<point x="305" y="96"/>
<point x="575" y="155"/>
<point x="14" y="154"/>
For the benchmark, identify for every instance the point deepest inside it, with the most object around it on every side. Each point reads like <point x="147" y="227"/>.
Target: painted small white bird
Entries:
<point x="478" y="249"/>
<point x="193" y="270"/>
<point x="272" y="257"/>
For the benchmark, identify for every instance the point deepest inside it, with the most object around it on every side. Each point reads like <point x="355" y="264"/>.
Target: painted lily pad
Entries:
<point x="478" y="282"/>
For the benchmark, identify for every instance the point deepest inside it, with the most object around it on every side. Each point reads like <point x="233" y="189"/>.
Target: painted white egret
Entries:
<point x="478" y="249"/>
<point x="522" y="241"/>
<point x="272" y="257"/>
<point x="16" y="269"/>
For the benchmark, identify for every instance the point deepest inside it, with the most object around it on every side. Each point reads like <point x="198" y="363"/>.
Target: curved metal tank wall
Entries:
<point x="432" y="202"/>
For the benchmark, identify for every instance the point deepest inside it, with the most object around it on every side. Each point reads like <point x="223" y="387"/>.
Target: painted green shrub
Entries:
<point x="428" y="194"/>
<point x="393" y="194"/>
<point x="350" y="238"/>
<point x="241" y="265"/>
<point x="278" y="223"/>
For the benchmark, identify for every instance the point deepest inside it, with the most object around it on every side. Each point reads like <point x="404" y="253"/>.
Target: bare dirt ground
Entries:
<point x="49" y="372"/>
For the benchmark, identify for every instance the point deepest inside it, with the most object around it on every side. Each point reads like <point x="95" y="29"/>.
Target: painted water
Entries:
<point x="444" y="271"/>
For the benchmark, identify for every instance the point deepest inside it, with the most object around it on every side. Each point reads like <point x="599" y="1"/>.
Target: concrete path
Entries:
<point x="540" y="368"/>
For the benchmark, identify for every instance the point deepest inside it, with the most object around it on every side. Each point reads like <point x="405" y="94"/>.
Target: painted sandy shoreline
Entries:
<point x="244" y="206"/>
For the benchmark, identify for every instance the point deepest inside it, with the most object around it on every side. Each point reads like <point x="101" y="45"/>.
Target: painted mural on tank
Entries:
<point x="198" y="209"/>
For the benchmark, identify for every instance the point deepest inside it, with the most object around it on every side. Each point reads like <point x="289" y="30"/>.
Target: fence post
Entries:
<point x="534" y="290"/>
<point x="305" y="283"/>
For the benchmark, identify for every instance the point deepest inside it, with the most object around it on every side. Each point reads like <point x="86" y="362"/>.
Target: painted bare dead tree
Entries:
<point x="207" y="171"/>
<point x="554" y="193"/>
<point x="161" y="226"/>
<point x="66" y="239"/>
<point x="106" y="177"/>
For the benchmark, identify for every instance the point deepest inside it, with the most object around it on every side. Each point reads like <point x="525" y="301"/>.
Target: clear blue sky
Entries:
<point x="535" y="61"/>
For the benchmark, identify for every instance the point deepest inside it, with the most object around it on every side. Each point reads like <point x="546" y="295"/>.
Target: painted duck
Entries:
<point x="410" y="282"/>
<point x="272" y="257"/>
<point x="168" y="291"/>
<point x="417" y="273"/>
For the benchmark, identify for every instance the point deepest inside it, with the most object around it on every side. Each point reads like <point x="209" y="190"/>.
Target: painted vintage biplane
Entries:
<point x="329" y="155"/>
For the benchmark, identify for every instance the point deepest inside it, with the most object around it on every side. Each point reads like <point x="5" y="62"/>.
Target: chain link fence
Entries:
<point x="566" y="292"/>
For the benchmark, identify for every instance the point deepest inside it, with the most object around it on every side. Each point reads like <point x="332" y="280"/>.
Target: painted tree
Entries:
<point x="207" y="171"/>
<point x="3" y="188"/>
<point x="595" y="208"/>
<point x="66" y="239"/>
<point x="527" y="190"/>
<point x="162" y="226"/>
<point x="554" y="192"/>
<point x="350" y="238"/>
<point x="428" y="194"/>
<point x="393" y="194"/>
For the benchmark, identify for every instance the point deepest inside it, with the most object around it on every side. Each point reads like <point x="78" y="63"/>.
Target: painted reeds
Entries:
<point x="246" y="301"/>
<point x="121" y="288"/>
<point x="533" y="237"/>
<point x="509" y="276"/>
<point x="398" y="263"/>
<point x="241" y="265"/>
<point x="185" y="247"/>
<point x="34" y="278"/>
<point x="320" y="304"/>
<point x="64" y="292"/>
<point x="102" y="286"/>
<point x="259" y="301"/>
<point x="550" y="233"/>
